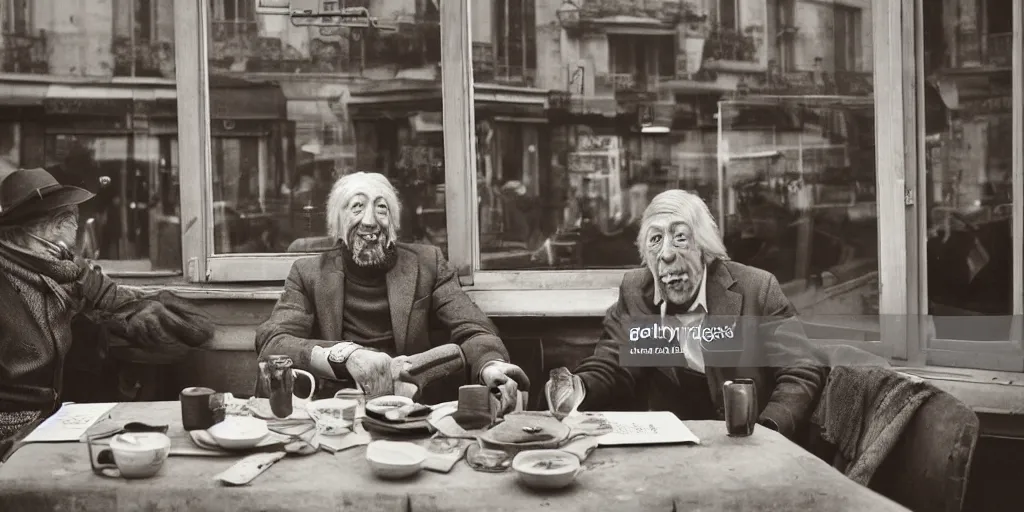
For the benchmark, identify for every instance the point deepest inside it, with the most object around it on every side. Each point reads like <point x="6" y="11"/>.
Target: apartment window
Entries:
<point x="848" y="39"/>
<point x="143" y="38"/>
<point x="505" y="42"/>
<point x="639" y="62"/>
<point x="786" y="34"/>
<point x="232" y="19"/>
<point x="729" y="14"/>
<point x="17" y="16"/>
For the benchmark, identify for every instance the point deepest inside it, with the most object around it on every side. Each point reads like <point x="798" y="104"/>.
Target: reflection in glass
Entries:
<point x="89" y="93"/>
<point x="293" y="108"/>
<point x="624" y="103"/>
<point x="969" y="141"/>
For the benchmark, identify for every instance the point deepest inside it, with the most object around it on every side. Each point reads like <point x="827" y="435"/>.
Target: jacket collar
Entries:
<point x="401" y="282"/>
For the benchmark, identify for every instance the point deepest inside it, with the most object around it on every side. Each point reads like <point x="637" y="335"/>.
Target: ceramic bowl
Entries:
<point x="393" y="460"/>
<point x="333" y="416"/>
<point x="381" y="405"/>
<point x="546" y="469"/>
<point x="140" y="455"/>
<point x="239" y="432"/>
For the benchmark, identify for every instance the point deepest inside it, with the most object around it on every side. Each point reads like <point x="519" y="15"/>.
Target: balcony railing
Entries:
<point x="669" y="12"/>
<point x="731" y="45"/>
<point x="998" y="50"/>
<point x="23" y="53"/>
<point x="143" y="58"/>
<point x="488" y="69"/>
<point x="611" y="83"/>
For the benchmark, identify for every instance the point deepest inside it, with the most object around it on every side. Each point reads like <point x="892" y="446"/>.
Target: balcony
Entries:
<point x="608" y="84"/>
<point x="726" y="44"/>
<point x="24" y="54"/>
<point x="489" y="69"/>
<point x="143" y="58"/>
<point x="664" y="11"/>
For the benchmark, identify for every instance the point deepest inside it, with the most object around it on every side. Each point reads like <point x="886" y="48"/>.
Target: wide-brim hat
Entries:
<point x="26" y="194"/>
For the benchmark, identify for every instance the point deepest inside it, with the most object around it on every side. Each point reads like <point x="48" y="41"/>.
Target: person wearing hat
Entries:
<point x="43" y="287"/>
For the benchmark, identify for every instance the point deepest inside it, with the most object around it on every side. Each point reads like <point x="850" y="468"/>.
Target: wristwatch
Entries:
<point x="338" y="355"/>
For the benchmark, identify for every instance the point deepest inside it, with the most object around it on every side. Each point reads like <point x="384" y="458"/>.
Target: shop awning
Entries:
<point x="22" y="94"/>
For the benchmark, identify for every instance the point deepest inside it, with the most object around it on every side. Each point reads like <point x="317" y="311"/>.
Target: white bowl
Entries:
<point x="239" y="432"/>
<point x="140" y="455"/>
<point x="381" y="405"/>
<point x="546" y="469"/>
<point x="392" y="460"/>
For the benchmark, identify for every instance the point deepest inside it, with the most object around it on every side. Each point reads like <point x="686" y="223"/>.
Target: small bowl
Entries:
<point x="393" y="460"/>
<point x="140" y="455"/>
<point x="381" y="405"/>
<point x="239" y="432"/>
<point x="546" y="469"/>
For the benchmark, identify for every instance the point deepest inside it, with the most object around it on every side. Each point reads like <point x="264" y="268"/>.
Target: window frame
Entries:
<point x="926" y="347"/>
<point x="518" y="293"/>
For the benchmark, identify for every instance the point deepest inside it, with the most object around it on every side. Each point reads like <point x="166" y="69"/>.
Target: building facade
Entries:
<point x="867" y="153"/>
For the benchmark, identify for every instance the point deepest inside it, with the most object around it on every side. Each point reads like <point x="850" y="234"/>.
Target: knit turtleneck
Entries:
<point x="366" y="317"/>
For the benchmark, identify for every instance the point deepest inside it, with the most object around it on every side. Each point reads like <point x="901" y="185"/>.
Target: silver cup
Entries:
<point x="740" y="397"/>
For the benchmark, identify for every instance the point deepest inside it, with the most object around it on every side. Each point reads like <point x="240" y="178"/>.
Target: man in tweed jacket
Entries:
<point x="746" y="326"/>
<point x="350" y="313"/>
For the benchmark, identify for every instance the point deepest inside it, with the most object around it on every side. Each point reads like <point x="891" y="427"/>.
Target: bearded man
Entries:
<point x="43" y="288"/>
<point x="353" y="312"/>
<point x="690" y="281"/>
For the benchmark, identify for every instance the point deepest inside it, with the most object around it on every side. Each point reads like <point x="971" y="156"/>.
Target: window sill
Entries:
<point x="995" y="396"/>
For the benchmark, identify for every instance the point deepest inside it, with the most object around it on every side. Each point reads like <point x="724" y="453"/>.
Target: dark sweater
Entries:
<point x="367" y="313"/>
<point x="366" y="318"/>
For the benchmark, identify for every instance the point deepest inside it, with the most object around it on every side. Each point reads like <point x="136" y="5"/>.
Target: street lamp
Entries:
<point x="568" y="15"/>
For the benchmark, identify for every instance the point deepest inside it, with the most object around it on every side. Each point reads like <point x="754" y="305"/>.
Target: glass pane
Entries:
<point x="621" y="109"/>
<point x="294" y="108"/>
<point x="88" y="92"/>
<point x="969" y="142"/>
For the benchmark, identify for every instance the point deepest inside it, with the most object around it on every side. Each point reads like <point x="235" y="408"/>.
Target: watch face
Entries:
<point x="335" y="355"/>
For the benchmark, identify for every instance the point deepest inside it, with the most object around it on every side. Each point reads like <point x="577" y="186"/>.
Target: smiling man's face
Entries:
<point x="674" y="259"/>
<point x="368" y="228"/>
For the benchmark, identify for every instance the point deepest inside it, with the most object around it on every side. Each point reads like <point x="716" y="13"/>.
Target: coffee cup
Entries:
<point x="135" y="455"/>
<point x="333" y="416"/>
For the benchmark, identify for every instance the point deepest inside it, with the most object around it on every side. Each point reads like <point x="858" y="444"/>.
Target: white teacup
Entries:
<point x="333" y="416"/>
<point x="140" y="455"/>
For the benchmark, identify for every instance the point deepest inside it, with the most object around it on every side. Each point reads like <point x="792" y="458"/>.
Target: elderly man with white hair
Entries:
<point x="350" y="313"/>
<point x="690" y="281"/>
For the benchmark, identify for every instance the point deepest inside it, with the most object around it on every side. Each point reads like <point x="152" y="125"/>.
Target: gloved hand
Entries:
<point x="372" y="372"/>
<point x="508" y="379"/>
<point x="161" y="319"/>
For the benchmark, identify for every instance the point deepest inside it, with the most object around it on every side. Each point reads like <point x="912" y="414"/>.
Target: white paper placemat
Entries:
<point x="645" y="427"/>
<point x="69" y="423"/>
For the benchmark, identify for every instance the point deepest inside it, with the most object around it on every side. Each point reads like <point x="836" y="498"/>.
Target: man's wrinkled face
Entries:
<point x="368" y="228"/>
<point x="674" y="259"/>
<point x="62" y="227"/>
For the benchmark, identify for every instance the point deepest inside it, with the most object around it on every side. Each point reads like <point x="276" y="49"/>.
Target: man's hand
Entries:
<point x="372" y="371"/>
<point x="508" y="378"/>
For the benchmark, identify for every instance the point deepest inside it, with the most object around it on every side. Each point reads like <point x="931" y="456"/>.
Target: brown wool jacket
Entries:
<point x="773" y="350"/>
<point x="421" y="287"/>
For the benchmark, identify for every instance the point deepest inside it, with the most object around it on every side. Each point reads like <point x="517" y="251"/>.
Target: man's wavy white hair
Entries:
<point x="351" y="185"/>
<point x="689" y="208"/>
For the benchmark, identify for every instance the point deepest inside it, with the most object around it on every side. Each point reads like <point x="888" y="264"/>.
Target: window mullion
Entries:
<point x="193" y="136"/>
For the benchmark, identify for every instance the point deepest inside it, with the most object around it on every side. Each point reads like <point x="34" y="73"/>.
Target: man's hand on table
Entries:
<point x="371" y="370"/>
<point x="506" y="377"/>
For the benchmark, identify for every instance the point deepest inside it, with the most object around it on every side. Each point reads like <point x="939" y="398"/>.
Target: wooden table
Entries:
<point x="763" y="472"/>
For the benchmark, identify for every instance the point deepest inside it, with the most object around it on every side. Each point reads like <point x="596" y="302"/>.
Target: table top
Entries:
<point x="763" y="472"/>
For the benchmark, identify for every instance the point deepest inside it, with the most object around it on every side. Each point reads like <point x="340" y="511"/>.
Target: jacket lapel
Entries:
<point x="401" y="291"/>
<point x="330" y="297"/>
<point x="722" y="301"/>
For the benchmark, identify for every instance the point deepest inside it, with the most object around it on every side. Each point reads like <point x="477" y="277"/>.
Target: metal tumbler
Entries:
<point x="740" y="397"/>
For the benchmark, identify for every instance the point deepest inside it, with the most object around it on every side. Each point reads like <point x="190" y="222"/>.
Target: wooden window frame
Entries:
<point x="508" y="293"/>
<point x="925" y="348"/>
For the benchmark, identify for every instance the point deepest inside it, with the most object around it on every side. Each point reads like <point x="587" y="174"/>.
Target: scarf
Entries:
<point x="48" y="285"/>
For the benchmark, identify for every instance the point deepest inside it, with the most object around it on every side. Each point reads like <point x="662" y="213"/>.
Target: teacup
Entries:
<point x="333" y="416"/>
<point x="136" y="455"/>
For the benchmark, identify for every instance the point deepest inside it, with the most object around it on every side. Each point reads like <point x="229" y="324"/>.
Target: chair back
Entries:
<point x="928" y="469"/>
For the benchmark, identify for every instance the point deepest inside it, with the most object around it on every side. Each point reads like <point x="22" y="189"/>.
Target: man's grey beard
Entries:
<point x="366" y="253"/>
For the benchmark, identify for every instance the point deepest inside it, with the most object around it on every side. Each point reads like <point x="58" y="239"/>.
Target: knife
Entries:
<point x="247" y="469"/>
